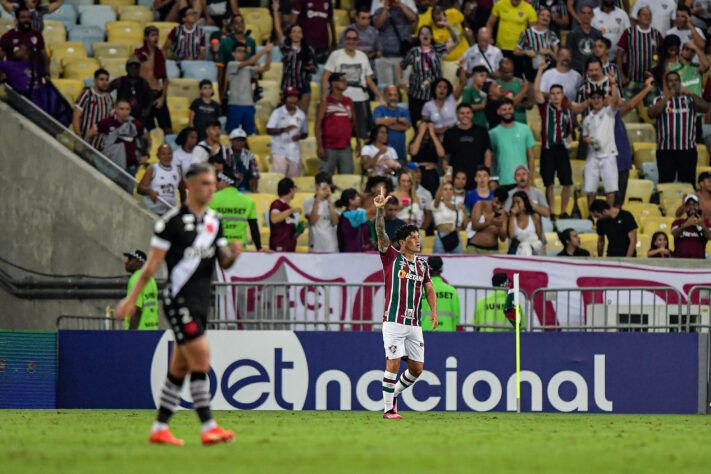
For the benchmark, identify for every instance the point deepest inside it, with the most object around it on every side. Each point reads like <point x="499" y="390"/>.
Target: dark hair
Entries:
<point x="435" y="263"/>
<point x="205" y="82"/>
<point x="238" y="45"/>
<point x="213" y="123"/>
<point x="464" y="105"/>
<point x="23" y="8"/>
<point x="605" y="41"/>
<point x="183" y="135"/>
<point x="555" y="86"/>
<point x="125" y="101"/>
<point x="183" y="11"/>
<point x="660" y="70"/>
<point x="482" y="168"/>
<point x="501" y="194"/>
<point x="683" y="8"/>
<point x="349" y="29"/>
<point x="591" y="60"/>
<point x="418" y="33"/>
<point x="346" y="197"/>
<point x="376" y="180"/>
<point x="506" y="101"/>
<point x="654" y="237"/>
<point x="404" y="231"/>
<point x="599" y="205"/>
<point x="565" y="235"/>
<point x="285" y="186"/>
<point x="436" y="10"/>
<point x="101" y="71"/>
<point x="526" y="202"/>
<point x="544" y="7"/>
<point x="305" y="52"/>
<point x="362" y="8"/>
<point x="374" y="133"/>
<point x="436" y="83"/>
<point x="479" y="69"/>
<point x="393" y="201"/>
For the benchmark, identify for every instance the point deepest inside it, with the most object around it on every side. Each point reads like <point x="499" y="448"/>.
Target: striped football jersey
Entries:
<point x="404" y="287"/>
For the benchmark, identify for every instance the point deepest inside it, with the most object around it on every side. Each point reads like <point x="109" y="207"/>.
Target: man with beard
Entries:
<point x="512" y="144"/>
<point x="581" y="41"/>
<point x="153" y="70"/>
<point x="93" y="105"/>
<point x="397" y="119"/>
<point x="133" y="88"/>
<point x="23" y="34"/>
<point x="569" y="79"/>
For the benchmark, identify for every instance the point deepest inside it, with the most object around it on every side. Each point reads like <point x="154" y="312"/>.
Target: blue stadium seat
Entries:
<point x="207" y="30"/>
<point x="650" y="172"/>
<point x="276" y="55"/>
<point x="66" y="14"/>
<point x="170" y="141"/>
<point x="581" y="226"/>
<point x="546" y="224"/>
<point x="97" y="15"/>
<point x="146" y="3"/>
<point x="77" y="3"/>
<point x="172" y="69"/>
<point x="87" y="34"/>
<point x="199" y="70"/>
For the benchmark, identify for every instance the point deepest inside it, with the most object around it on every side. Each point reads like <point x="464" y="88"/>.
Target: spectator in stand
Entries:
<point x="512" y="145"/>
<point x="394" y="22"/>
<point x="37" y="10"/>
<point x="611" y="21"/>
<point x="353" y="230"/>
<point x="636" y="49"/>
<point x="204" y="109"/>
<point x="662" y="12"/>
<point x="121" y="134"/>
<point x="704" y="196"/>
<point x="684" y="28"/>
<point x="298" y="59"/>
<point x="448" y="305"/>
<point x="494" y="95"/>
<point x="373" y="187"/>
<point x="239" y="74"/>
<point x="186" y="41"/>
<point x="315" y="19"/>
<point x="559" y="13"/>
<point x="409" y="209"/>
<point x="483" y="53"/>
<point x="675" y="112"/>
<point x="556" y="136"/>
<point x="395" y="118"/>
<point x="562" y="75"/>
<point x="392" y="222"/>
<point x="524" y="227"/>
<point x="660" y="246"/>
<point x="594" y="80"/>
<point x="476" y="13"/>
<point x="466" y="145"/>
<point x="287" y="125"/>
<point x="581" y="40"/>
<point x="322" y="216"/>
<point x="426" y="62"/>
<point x="488" y="224"/>
<point x="618" y="226"/>
<point x="216" y="10"/>
<point x="449" y="219"/>
<point x="237" y="210"/>
<point x="513" y="17"/>
<point x="460" y="186"/>
<point x="691" y="74"/>
<point x="602" y="52"/>
<point x="93" y="105"/>
<point x="475" y="96"/>
<point x="359" y="77"/>
<point x="571" y="244"/>
<point x="536" y="197"/>
<point x="446" y="28"/>
<point x="186" y="140"/>
<point x="427" y="151"/>
<point x="377" y="157"/>
<point x="162" y="180"/>
<point x="133" y="88"/>
<point x="153" y="70"/>
<point x="24" y="34"/>
<point x="441" y="109"/>
<point x="210" y="147"/>
<point x="514" y="88"/>
<point x="238" y="35"/>
<point x="168" y="9"/>
<point x="335" y="117"/>
<point x="285" y="227"/>
<point x="217" y="36"/>
<point x="692" y="233"/>
<point x="423" y="195"/>
<point x="536" y="44"/>
<point x="482" y="192"/>
<point x="242" y="162"/>
<point x="368" y="40"/>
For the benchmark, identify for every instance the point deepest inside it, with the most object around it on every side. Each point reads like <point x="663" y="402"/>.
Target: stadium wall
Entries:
<point x="60" y="216"/>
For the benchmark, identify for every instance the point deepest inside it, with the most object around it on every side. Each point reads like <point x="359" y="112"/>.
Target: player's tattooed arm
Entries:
<point x="383" y="240"/>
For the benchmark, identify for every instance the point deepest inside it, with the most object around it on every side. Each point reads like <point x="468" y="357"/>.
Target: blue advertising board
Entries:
<point x="286" y="370"/>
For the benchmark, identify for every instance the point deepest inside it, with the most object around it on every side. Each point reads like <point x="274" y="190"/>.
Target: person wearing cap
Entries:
<point x="489" y="314"/>
<point x="133" y="88"/>
<point x="186" y="41"/>
<point x="162" y="180"/>
<point x="447" y="300"/>
<point x="618" y="226"/>
<point x="704" y="196"/>
<point x="239" y="74"/>
<point x="691" y="233"/>
<point x="153" y="70"/>
<point x="242" y="161"/>
<point x="285" y="227"/>
<point x="237" y="210"/>
<point x="335" y="125"/>
<point x="512" y="144"/>
<point x="146" y="314"/>
<point x="287" y="125"/>
<point x="322" y="216"/>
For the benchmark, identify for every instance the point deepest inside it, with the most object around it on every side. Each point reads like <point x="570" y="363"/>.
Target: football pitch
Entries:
<point x="116" y="441"/>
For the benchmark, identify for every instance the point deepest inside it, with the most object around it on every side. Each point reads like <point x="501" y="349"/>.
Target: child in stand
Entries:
<point x="240" y="73"/>
<point x="660" y="246"/>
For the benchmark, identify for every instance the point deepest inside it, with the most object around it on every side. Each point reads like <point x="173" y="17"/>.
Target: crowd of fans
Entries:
<point x="451" y="107"/>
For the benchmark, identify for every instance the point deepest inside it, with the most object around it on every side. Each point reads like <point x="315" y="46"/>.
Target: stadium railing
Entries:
<point x="698" y="308"/>
<point x="69" y="139"/>
<point x="88" y="322"/>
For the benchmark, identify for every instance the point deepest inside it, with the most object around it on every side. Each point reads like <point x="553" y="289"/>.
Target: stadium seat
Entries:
<point x="639" y="189"/>
<point x="115" y="66"/>
<point x="553" y="245"/>
<point x="641" y="132"/>
<point x="581" y="226"/>
<point x="644" y="152"/>
<point x="129" y="32"/>
<point x="164" y="29"/>
<point x="261" y="19"/>
<point x="669" y="205"/>
<point x="274" y="72"/>
<point x="77" y="3"/>
<point x="577" y="173"/>
<point x="271" y="92"/>
<point x="298" y="201"/>
<point x="674" y="190"/>
<point x="64" y="14"/>
<point x="67" y="50"/>
<point x="310" y="165"/>
<point x="172" y="69"/>
<point x="588" y="241"/>
<point x="97" y="15"/>
<point x="104" y="50"/>
<point x="268" y="182"/>
<point x="341" y="18"/>
<point x="557" y="202"/>
<point x="179" y="108"/>
<point x="261" y="145"/>
<point x="304" y="184"/>
<point x="199" y="70"/>
<point x="137" y="13"/>
<point x="582" y="203"/>
<point x="54" y="31"/>
<point x="449" y="71"/>
<point x="640" y="210"/>
<point x="650" y="172"/>
<point x="87" y="34"/>
<point x="189" y="88"/>
<point x="345" y="181"/>
<point x="79" y="68"/>
<point x="70" y="88"/>
<point x="115" y="4"/>
<point x="703" y="154"/>
<point x="644" y="242"/>
<point x="651" y="224"/>
<point x="6" y="24"/>
<point x="427" y="243"/>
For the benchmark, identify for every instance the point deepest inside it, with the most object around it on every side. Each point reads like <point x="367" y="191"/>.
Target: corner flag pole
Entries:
<point x="518" y="344"/>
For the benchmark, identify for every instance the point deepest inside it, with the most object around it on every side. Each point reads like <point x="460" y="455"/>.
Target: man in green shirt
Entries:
<point x="146" y="314"/>
<point x="237" y="210"/>
<point x="511" y="144"/>
<point x="490" y="309"/>
<point x="514" y="88"/>
<point x="447" y="300"/>
<point x="473" y="95"/>
<point x="224" y="54"/>
<point x="691" y="73"/>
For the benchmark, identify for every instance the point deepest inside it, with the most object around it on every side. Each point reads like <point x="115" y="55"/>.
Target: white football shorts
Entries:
<point x="400" y="340"/>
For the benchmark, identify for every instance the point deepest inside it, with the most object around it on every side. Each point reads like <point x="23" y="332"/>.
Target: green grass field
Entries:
<point x="116" y="441"/>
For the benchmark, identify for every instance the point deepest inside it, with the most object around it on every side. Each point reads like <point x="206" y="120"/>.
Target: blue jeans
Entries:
<point x="439" y="248"/>
<point x="241" y="116"/>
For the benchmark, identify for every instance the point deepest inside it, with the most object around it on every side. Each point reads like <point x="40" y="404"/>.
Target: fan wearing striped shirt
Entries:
<point x="187" y="40"/>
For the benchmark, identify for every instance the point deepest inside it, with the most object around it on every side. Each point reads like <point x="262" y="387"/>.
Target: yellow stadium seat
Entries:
<point x="651" y="224"/>
<point x="164" y="29"/>
<point x="304" y="184"/>
<point x="315" y="92"/>
<point x="115" y="66"/>
<point x="588" y="241"/>
<point x="537" y="157"/>
<point x="54" y="32"/>
<point x="669" y="205"/>
<point x="67" y="50"/>
<point x="573" y="151"/>
<point x="557" y="202"/>
<point x="308" y="147"/>
<point x="268" y="182"/>
<point x="554" y="244"/>
<point x="6" y="24"/>
<point x="188" y="88"/>
<point x="122" y="25"/>
<point x="274" y="72"/>
<point x="179" y="108"/>
<point x="125" y="31"/>
<point x="582" y="203"/>
<point x="79" y="68"/>
<point x="339" y="30"/>
<point x="644" y="152"/>
<point x="345" y="181"/>
<point x="104" y="50"/>
<point x="116" y="4"/>
<point x="641" y="132"/>
<point x="644" y="242"/>
<point x="703" y="153"/>
<point x="138" y="13"/>
<point x="298" y="201"/>
<point x="310" y="165"/>
<point x="261" y="19"/>
<point x="428" y="243"/>
<point x="577" y="172"/>
<point x="245" y="10"/>
<point x="260" y="144"/>
<point x="674" y="190"/>
<point x="449" y="71"/>
<point x="70" y="88"/>
<point x="640" y="210"/>
<point x="639" y="189"/>
<point x="341" y="17"/>
<point x="271" y="92"/>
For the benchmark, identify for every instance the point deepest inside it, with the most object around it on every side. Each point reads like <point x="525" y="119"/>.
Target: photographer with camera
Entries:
<point x="691" y="233"/>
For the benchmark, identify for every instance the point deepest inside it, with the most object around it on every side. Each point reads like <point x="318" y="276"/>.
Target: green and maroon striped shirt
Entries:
<point x="532" y="40"/>
<point x="676" y="126"/>
<point x="94" y="107"/>
<point x="426" y="68"/>
<point x="556" y="125"/>
<point x="404" y="287"/>
<point x="640" y="48"/>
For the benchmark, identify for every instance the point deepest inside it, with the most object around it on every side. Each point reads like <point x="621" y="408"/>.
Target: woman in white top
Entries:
<point x="183" y="156"/>
<point x="409" y="207"/>
<point x="441" y="110"/>
<point x="525" y="229"/>
<point x="448" y="217"/>
<point x="377" y="157"/>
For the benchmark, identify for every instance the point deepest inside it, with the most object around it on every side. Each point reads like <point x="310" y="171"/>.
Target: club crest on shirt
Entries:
<point x="520" y="14"/>
<point x="392" y="349"/>
<point x="618" y="20"/>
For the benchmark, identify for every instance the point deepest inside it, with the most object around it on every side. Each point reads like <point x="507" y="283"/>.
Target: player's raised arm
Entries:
<point x="127" y="306"/>
<point x="383" y="240"/>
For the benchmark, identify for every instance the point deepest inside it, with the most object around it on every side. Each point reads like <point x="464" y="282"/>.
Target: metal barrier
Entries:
<point x="88" y="323"/>
<point x="698" y="308"/>
<point x="631" y="309"/>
